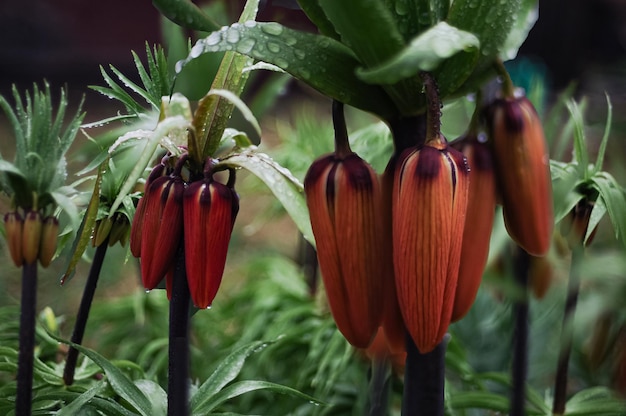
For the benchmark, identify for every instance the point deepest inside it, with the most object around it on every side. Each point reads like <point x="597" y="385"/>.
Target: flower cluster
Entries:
<point x="31" y="237"/>
<point x="196" y="214"/>
<point x="417" y="238"/>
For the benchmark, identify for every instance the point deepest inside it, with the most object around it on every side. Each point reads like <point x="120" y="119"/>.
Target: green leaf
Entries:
<point x="121" y="384"/>
<point x="565" y="180"/>
<point x="241" y="106"/>
<point x="605" y="137"/>
<point x="243" y="387"/>
<point x="376" y="45"/>
<point x="424" y="53"/>
<point x="213" y="113"/>
<point x="316" y="15"/>
<point x="83" y="235"/>
<point x="416" y="16"/>
<point x="76" y="404"/>
<point x="297" y="53"/>
<point x="597" y="213"/>
<point x="228" y="369"/>
<point x="580" y="147"/>
<point x="524" y="21"/>
<point x="186" y="14"/>
<point x="287" y="189"/>
<point x="614" y="199"/>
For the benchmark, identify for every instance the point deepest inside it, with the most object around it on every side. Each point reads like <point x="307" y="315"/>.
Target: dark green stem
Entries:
<point x="178" y="381"/>
<point x="433" y="112"/>
<point x="27" y="340"/>
<point x="560" y="383"/>
<point x="508" y="89"/>
<point x="520" y="335"/>
<point x="342" y="144"/>
<point x="83" y="311"/>
<point x="408" y="132"/>
<point x="424" y="381"/>
<point x="380" y="384"/>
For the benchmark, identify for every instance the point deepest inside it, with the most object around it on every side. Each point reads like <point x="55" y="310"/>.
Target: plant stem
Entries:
<point x="380" y="385"/>
<point x="560" y="383"/>
<point x="342" y="144"/>
<point x="424" y="380"/>
<point x="83" y="311"/>
<point x="178" y="381"/>
<point x="27" y="340"/>
<point x="520" y="335"/>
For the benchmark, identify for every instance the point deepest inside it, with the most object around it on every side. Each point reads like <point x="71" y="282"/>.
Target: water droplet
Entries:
<point x="147" y="291"/>
<point x="232" y="36"/>
<point x="208" y="307"/>
<point x="196" y="50"/>
<point x="273" y="47"/>
<point x="246" y="45"/>
<point x="471" y="97"/>
<point x="256" y="54"/>
<point x="300" y="54"/>
<point x="324" y="43"/>
<point x="179" y="66"/>
<point x="290" y="40"/>
<point x="280" y="62"/>
<point x="272" y="29"/>
<point x="213" y="39"/>
<point x="482" y="137"/>
<point x="304" y="73"/>
<point x="401" y="8"/>
<point x="249" y="23"/>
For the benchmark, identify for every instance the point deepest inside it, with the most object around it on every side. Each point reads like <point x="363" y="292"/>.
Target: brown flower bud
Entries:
<point x="49" y="237"/>
<point x="13" y="224"/>
<point x="210" y="209"/>
<point x="481" y="206"/>
<point x="522" y="168"/>
<point x="31" y="236"/>
<point x="344" y="199"/>
<point x="429" y="203"/>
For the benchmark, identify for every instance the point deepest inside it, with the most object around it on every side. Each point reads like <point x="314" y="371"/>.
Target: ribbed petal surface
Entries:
<point x="31" y="236"/>
<point x="210" y="209"/>
<point x="478" y="225"/>
<point x="49" y="237"/>
<point x="429" y="203"/>
<point x="522" y="163"/>
<point x="344" y="201"/>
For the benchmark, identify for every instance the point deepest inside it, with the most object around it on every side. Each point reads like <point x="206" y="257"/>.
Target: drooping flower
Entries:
<point x="31" y="236"/>
<point x="210" y="209"/>
<point x="481" y="206"/>
<point x="429" y="203"/>
<point x="522" y="168"/>
<point x="49" y="237"/>
<point x="13" y="224"/>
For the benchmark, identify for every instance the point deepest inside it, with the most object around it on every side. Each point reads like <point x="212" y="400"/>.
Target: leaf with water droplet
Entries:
<point x="186" y="14"/>
<point x="297" y="53"/>
<point x="525" y="20"/>
<point x="424" y="53"/>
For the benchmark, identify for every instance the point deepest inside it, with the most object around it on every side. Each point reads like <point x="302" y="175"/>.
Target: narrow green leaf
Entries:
<point x="297" y="53"/>
<point x="424" y="53"/>
<point x="580" y="147"/>
<point x="186" y="14"/>
<point x="605" y="137"/>
<point x="243" y="387"/>
<point x="66" y="204"/>
<point x="121" y="384"/>
<point x="213" y="113"/>
<point x="241" y="106"/>
<point x="75" y="406"/>
<point x="597" y="213"/>
<point x="228" y="369"/>
<point x="614" y="199"/>
<point x="416" y="16"/>
<point x="136" y="88"/>
<point x="287" y="189"/>
<point x="83" y="235"/>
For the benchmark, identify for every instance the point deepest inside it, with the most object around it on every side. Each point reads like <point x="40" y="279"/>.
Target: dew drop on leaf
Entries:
<point x="246" y="45"/>
<point x="232" y="36"/>
<point x="282" y="63"/>
<point x="272" y="29"/>
<point x="273" y="47"/>
<point x="214" y="38"/>
<point x="299" y="53"/>
<point x="250" y="23"/>
<point x="196" y="50"/>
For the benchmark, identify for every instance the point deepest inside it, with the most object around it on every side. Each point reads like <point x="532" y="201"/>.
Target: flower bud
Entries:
<point x="210" y="209"/>
<point x="481" y="206"/>
<point x="13" y="224"/>
<point x="574" y="226"/>
<point x="102" y="231"/>
<point x="344" y="200"/>
<point x="162" y="228"/>
<point x="522" y="168"/>
<point x="119" y="230"/>
<point x="49" y="237"/>
<point x="31" y="236"/>
<point x="429" y="203"/>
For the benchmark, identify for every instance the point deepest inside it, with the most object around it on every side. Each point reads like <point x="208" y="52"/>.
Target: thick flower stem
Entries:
<point x="424" y="381"/>
<point x="27" y="340"/>
<point x="178" y="381"/>
<point x="342" y="145"/>
<point x="520" y="335"/>
<point x="83" y="311"/>
<point x="560" y="383"/>
<point x="380" y="385"/>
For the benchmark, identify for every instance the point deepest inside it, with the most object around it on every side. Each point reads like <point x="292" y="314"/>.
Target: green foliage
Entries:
<point x="36" y="177"/>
